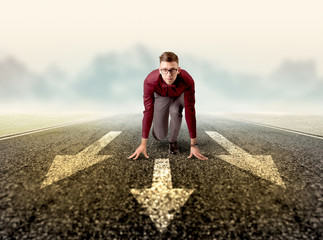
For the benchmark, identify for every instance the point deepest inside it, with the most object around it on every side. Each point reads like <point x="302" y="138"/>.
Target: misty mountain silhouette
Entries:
<point x="15" y="78"/>
<point x="19" y="83"/>
<point x="116" y="78"/>
<point x="295" y="79"/>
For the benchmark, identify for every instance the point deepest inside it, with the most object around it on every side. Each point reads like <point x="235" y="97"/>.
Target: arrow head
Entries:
<point x="260" y="165"/>
<point x="162" y="204"/>
<point x="66" y="165"/>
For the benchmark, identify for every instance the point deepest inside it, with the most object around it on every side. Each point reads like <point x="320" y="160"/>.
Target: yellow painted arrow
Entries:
<point x="66" y="165"/>
<point x="162" y="201"/>
<point x="260" y="165"/>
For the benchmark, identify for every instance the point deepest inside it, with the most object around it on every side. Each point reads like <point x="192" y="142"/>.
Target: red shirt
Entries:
<point x="155" y="83"/>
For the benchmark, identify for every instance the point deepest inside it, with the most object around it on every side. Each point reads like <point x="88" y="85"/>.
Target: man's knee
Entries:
<point x="176" y="110"/>
<point x="159" y="135"/>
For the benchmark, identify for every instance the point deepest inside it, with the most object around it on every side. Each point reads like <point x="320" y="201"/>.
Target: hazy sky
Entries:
<point x="246" y="36"/>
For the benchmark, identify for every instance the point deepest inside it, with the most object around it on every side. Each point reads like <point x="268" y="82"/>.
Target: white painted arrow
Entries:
<point x="162" y="201"/>
<point x="260" y="165"/>
<point x="66" y="165"/>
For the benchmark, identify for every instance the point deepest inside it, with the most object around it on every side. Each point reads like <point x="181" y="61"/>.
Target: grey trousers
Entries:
<point x="163" y="107"/>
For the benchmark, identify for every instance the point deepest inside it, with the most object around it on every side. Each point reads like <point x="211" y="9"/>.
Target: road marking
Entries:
<point x="282" y="129"/>
<point x="161" y="200"/>
<point x="9" y="136"/>
<point x="66" y="165"/>
<point x="260" y="165"/>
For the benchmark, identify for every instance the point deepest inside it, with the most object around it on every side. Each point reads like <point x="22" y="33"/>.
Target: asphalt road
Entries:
<point x="97" y="202"/>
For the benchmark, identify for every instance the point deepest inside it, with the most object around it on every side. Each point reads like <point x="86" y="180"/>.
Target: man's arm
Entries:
<point x="190" y="116"/>
<point x="148" y="99"/>
<point x="147" y="119"/>
<point x="189" y="99"/>
<point x="148" y="112"/>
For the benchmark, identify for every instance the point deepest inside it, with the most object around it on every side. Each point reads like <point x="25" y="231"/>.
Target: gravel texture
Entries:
<point x="97" y="203"/>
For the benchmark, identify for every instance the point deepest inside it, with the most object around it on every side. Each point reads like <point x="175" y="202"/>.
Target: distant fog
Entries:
<point x="113" y="82"/>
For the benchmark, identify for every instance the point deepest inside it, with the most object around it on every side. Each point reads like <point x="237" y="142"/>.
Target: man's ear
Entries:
<point x="179" y="70"/>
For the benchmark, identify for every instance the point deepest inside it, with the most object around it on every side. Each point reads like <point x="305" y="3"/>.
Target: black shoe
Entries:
<point x="173" y="149"/>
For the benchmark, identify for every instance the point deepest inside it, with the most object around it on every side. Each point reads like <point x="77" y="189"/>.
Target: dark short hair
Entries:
<point x="168" y="57"/>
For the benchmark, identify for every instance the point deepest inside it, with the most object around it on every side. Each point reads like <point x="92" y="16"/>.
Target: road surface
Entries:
<point x="76" y="182"/>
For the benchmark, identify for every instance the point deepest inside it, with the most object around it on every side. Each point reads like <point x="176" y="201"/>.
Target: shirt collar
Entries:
<point x="165" y="84"/>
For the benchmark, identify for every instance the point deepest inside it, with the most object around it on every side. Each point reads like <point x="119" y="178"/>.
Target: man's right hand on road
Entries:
<point x="141" y="149"/>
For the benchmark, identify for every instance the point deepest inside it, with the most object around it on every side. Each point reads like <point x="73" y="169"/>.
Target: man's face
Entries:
<point x="169" y="71"/>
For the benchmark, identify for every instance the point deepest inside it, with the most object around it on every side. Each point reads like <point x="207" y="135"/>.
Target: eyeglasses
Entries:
<point x="171" y="71"/>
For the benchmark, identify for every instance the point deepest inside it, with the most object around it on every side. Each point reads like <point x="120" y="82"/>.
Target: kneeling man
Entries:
<point x="167" y="91"/>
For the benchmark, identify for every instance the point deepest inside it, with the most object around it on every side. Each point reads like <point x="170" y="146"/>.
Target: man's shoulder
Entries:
<point x="186" y="76"/>
<point x="153" y="76"/>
